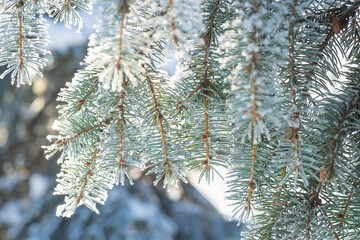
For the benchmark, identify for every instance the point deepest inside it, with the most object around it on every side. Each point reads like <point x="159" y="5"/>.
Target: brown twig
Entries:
<point x="83" y="100"/>
<point x="308" y="229"/>
<point x="123" y="10"/>
<point x="21" y="36"/>
<point x="161" y="125"/>
<point x="66" y="140"/>
<point x="251" y="181"/>
<point x="172" y="23"/>
<point x="206" y="135"/>
<point x="313" y="201"/>
<point x="283" y="174"/>
<point x="253" y="62"/>
<point x="347" y="204"/>
<point x="206" y="84"/>
<point x="294" y="136"/>
<point x="199" y="88"/>
<point x="121" y="123"/>
<point x="90" y="168"/>
<point x="254" y="145"/>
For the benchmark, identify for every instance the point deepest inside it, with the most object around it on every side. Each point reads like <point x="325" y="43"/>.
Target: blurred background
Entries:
<point x="27" y="179"/>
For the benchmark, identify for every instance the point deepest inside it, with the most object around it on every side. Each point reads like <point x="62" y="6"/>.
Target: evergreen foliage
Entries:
<point x="260" y="89"/>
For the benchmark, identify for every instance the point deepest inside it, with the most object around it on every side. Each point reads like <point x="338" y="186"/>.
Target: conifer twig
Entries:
<point x="206" y="84"/>
<point x="121" y="124"/>
<point x="334" y="142"/>
<point x="294" y="136"/>
<point x="161" y="125"/>
<point x="206" y="135"/>
<point x="66" y="140"/>
<point x="21" y="36"/>
<point x="253" y="62"/>
<point x="172" y="22"/>
<point x="83" y="100"/>
<point x="308" y="229"/>
<point x="90" y="168"/>
<point x="200" y="88"/>
<point x="123" y="10"/>
<point x="313" y="201"/>
<point x="283" y="174"/>
<point x="347" y="204"/>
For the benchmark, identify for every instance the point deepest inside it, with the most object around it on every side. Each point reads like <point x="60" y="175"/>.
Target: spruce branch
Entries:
<point x="334" y="146"/>
<point x="338" y="17"/>
<point x="160" y="118"/>
<point x="262" y="72"/>
<point x="205" y="89"/>
<point x="89" y="181"/>
<point x="205" y="83"/>
<point x="80" y="94"/>
<point x="294" y="136"/>
<point x="255" y="115"/>
<point x="23" y="36"/>
<point x="166" y="159"/>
